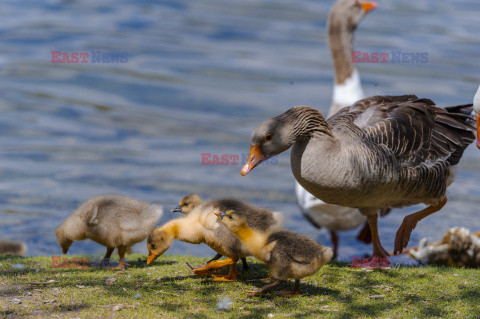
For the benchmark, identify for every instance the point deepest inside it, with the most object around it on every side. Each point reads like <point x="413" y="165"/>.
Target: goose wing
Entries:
<point x="414" y="130"/>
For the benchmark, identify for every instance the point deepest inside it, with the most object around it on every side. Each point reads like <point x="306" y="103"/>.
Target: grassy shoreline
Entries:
<point x="31" y="287"/>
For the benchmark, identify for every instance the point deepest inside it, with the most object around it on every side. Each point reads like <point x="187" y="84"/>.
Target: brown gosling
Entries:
<point x="17" y="248"/>
<point x="287" y="255"/>
<point x="113" y="221"/>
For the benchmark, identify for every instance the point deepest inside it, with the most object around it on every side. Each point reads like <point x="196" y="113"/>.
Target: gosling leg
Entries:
<point x="232" y="275"/>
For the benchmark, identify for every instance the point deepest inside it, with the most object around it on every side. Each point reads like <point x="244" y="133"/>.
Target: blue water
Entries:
<point x="200" y="76"/>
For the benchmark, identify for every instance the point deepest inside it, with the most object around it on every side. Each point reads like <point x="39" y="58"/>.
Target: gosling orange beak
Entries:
<point x="477" y="116"/>
<point x="151" y="258"/>
<point x="253" y="160"/>
<point x="368" y="6"/>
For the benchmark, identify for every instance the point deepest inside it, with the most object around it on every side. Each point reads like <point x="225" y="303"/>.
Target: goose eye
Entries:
<point x="268" y="137"/>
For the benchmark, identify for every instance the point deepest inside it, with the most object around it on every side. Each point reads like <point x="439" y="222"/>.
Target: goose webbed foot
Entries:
<point x="232" y="275"/>
<point x="229" y="277"/>
<point x="212" y="266"/>
<point x="408" y="225"/>
<point x="264" y="289"/>
<point x="295" y="292"/>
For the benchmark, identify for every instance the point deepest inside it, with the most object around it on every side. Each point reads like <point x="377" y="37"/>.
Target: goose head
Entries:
<point x="63" y="239"/>
<point x="187" y="204"/>
<point x="232" y="220"/>
<point x="348" y="13"/>
<point x="278" y="134"/>
<point x="158" y="242"/>
<point x="476" y="107"/>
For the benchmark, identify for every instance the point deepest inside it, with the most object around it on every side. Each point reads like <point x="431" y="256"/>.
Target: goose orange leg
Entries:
<point x="232" y="275"/>
<point x="211" y="266"/>
<point x="121" y="263"/>
<point x="409" y="222"/>
<point x="378" y="250"/>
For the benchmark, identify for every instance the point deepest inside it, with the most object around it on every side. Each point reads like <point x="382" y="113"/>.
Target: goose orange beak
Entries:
<point x="253" y="160"/>
<point x="368" y="6"/>
<point x="151" y="258"/>
<point x="477" y="116"/>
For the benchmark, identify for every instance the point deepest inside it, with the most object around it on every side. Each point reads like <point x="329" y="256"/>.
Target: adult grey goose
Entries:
<point x="343" y="19"/>
<point x="383" y="151"/>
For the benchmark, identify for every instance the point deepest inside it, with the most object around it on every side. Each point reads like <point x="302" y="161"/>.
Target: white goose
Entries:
<point x="347" y="89"/>
<point x="476" y="108"/>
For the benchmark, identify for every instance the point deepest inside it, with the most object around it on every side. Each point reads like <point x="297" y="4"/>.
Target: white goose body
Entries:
<point x="476" y="101"/>
<point x="476" y="109"/>
<point x="347" y="89"/>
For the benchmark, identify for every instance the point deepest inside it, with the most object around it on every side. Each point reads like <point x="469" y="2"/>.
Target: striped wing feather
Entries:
<point x="415" y="130"/>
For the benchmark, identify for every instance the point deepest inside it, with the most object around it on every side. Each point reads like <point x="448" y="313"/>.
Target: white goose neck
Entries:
<point x="476" y="101"/>
<point x="348" y="92"/>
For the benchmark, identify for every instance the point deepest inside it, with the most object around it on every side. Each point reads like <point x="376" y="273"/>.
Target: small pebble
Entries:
<point x="18" y="266"/>
<point x="117" y="307"/>
<point x="138" y="296"/>
<point x="110" y="280"/>
<point x="224" y="303"/>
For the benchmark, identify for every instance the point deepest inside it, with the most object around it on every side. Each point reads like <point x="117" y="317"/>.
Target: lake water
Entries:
<point x="200" y="76"/>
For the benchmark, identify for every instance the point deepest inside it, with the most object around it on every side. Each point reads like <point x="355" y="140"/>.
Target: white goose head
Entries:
<point x="344" y="17"/>
<point x="476" y="107"/>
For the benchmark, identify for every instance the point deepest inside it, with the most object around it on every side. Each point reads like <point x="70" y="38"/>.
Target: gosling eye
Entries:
<point x="153" y="247"/>
<point x="185" y="204"/>
<point x="230" y="217"/>
<point x="268" y="137"/>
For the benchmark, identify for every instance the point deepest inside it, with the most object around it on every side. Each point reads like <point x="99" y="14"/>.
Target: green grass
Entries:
<point x="169" y="289"/>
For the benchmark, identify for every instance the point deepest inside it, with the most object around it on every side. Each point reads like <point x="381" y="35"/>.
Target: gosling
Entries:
<point x="287" y="255"/>
<point x="17" y="248"/>
<point x="202" y="226"/>
<point x="189" y="203"/>
<point x="113" y="221"/>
